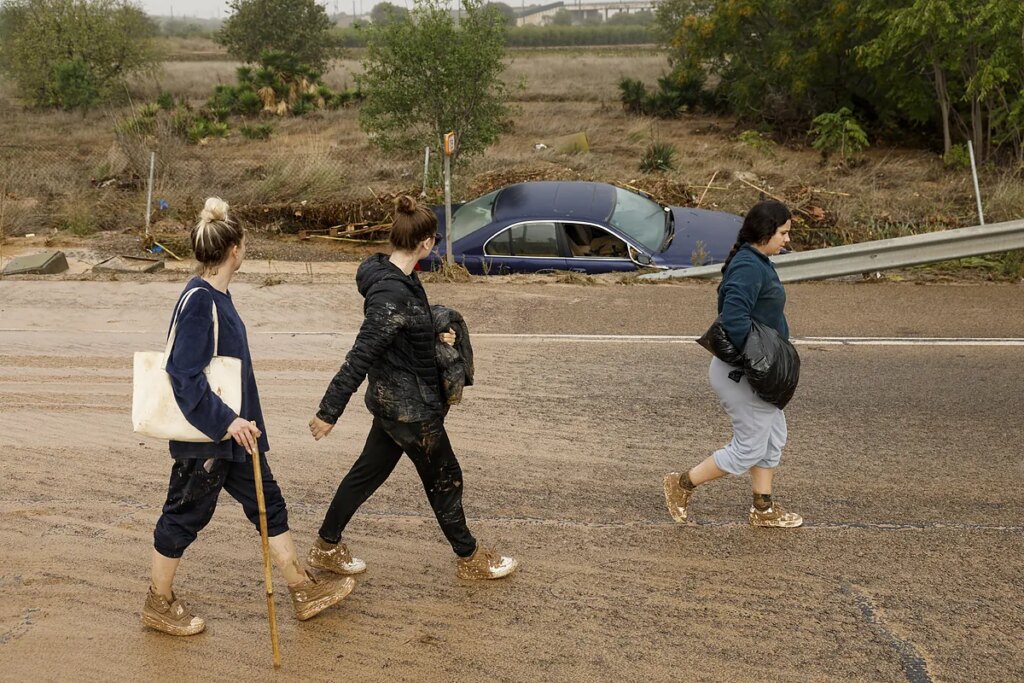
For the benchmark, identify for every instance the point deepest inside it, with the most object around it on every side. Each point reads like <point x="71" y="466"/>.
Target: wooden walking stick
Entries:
<point x="257" y="474"/>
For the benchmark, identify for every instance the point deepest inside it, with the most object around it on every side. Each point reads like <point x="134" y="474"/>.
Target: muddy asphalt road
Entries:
<point x="906" y="462"/>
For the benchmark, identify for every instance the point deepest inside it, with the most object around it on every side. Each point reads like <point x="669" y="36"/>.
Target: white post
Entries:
<point x="977" y="191"/>
<point x="426" y="168"/>
<point x="149" y="191"/>
<point x="448" y="207"/>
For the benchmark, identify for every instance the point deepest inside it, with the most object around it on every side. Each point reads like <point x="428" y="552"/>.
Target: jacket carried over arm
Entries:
<point x="394" y="349"/>
<point x="455" y="363"/>
<point x="192" y="352"/>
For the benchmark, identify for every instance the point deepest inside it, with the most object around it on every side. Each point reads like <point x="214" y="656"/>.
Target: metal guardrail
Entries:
<point x="868" y="257"/>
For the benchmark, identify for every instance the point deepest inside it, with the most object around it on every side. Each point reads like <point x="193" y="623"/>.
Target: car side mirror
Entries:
<point x="640" y="258"/>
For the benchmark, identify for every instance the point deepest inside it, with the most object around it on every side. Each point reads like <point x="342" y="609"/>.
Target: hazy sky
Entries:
<point x="210" y="9"/>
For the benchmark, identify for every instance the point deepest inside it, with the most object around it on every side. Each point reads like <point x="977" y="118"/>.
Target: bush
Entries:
<point x="258" y="132"/>
<point x="165" y="101"/>
<point x="838" y="133"/>
<point x="958" y="156"/>
<point x="300" y="28"/>
<point x="633" y="94"/>
<point x="757" y="140"/>
<point x="678" y="91"/>
<point x="73" y="54"/>
<point x="659" y="156"/>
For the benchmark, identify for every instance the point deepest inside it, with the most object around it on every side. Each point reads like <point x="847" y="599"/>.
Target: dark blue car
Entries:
<point x="580" y="226"/>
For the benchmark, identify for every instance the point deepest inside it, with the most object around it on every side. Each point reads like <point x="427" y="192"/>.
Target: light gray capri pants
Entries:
<point x="758" y="427"/>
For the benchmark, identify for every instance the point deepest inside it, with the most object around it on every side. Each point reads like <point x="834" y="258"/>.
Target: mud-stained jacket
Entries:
<point x="394" y="349"/>
<point x="455" y="363"/>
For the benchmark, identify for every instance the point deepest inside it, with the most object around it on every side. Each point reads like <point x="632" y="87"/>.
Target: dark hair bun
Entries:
<point x="406" y="204"/>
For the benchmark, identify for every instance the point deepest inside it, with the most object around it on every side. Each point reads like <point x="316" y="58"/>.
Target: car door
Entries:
<point x="592" y="249"/>
<point x="527" y="247"/>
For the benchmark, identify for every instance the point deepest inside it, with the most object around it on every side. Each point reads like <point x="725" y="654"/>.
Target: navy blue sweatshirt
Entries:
<point x="193" y="349"/>
<point x="751" y="289"/>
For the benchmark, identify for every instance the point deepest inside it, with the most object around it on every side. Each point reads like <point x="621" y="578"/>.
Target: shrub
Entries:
<point x="757" y="140"/>
<point x="838" y="133"/>
<point x="659" y="156"/>
<point x="165" y="101"/>
<point x="258" y="132"/>
<point x="73" y="54"/>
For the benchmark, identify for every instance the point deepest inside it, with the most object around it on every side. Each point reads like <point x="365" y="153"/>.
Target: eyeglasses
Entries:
<point x="438" y="237"/>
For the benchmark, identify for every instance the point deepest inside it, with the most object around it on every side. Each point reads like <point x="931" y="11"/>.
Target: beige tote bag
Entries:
<point x="155" y="412"/>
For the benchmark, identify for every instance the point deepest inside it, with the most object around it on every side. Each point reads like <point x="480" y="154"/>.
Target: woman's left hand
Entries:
<point x="319" y="429"/>
<point x="448" y="337"/>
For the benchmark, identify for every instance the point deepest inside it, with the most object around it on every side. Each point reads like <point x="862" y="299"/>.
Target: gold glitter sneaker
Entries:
<point x="314" y="595"/>
<point x="170" y="616"/>
<point x="676" y="497"/>
<point x="775" y="516"/>
<point x="485" y="564"/>
<point x="334" y="557"/>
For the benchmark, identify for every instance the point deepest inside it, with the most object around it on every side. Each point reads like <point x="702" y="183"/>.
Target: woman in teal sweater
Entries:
<point x="750" y="290"/>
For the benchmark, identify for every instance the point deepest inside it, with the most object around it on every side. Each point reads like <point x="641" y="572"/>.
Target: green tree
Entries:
<point x="506" y="11"/>
<point x="297" y="27"/>
<point x="73" y="53"/>
<point x="779" y="61"/>
<point x="562" y="17"/>
<point x="383" y="12"/>
<point x="424" y="76"/>
<point x="971" y="53"/>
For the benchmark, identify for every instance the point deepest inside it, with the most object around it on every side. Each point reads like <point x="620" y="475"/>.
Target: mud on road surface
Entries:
<point x="904" y="460"/>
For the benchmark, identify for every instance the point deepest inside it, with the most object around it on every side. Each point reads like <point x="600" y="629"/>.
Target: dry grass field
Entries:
<point x="69" y="172"/>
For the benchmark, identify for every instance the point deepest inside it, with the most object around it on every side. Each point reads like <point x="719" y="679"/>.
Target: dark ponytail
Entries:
<point x="760" y="223"/>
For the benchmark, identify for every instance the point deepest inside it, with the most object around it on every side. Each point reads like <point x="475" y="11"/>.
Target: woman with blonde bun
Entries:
<point x="395" y="348"/>
<point x="201" y="470"/>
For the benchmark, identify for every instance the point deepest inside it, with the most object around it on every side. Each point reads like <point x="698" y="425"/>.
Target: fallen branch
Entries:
<point x="769" y="194"/>
<point x="699" y="201"/>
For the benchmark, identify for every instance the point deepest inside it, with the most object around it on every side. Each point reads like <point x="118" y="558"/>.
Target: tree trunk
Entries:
<point x="943" y="96"/>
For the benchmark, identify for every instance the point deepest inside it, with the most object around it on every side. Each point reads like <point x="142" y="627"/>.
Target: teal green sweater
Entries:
<point x="751" y="289"/>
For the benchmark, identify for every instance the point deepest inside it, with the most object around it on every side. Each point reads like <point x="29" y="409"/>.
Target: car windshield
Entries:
<point x="473" y="216"/>
<point x="641" y="218"/>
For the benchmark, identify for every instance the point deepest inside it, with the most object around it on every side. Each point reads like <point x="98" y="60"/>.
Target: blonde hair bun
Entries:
<point x="216" y="209"/>
<point x="406" y="204"/>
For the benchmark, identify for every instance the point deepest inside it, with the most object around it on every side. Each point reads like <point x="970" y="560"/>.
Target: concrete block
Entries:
<point x="43" y="263"/>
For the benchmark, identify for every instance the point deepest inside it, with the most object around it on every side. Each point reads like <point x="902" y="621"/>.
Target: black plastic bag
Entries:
<point x="771" y="364"/>
<point x="717" y="342"/>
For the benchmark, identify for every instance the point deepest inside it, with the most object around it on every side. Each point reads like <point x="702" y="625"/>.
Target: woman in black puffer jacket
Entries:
<point x="395" y="350"/>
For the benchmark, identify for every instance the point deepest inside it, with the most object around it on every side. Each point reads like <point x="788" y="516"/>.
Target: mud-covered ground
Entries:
<point x="906" y="462"/>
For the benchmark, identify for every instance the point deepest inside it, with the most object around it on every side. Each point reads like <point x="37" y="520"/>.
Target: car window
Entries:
<point x="534" y="239"/>
<point x="473" y="215"/>
<point x="590" y="241"/>
<point x="641" y="218"/>
<point x="500" y="245"/>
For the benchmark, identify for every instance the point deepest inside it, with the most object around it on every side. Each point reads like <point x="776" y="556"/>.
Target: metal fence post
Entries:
<point x="149" y="191"/>
<point x="977" y="191"/>
<point x="426" y="168"/>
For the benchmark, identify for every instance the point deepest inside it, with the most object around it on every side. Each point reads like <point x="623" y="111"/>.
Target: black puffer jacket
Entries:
<point x="394" y="348"/>
<point x="455" y="363"/>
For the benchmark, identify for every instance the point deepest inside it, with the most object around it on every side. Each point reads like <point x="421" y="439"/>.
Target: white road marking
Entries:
<point x="607" y="338"/>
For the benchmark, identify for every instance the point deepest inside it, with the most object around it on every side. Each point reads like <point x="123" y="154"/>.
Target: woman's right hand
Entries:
<point x="245" y="433"/>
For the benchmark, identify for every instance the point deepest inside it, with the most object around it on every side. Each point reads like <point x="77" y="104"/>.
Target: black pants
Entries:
<point x="427" y="445"/>
<point x="192" y="498"/>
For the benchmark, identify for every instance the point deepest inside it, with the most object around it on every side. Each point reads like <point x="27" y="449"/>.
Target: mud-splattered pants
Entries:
<point x="192" y="498"/>
<point x="427" y="445"/>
